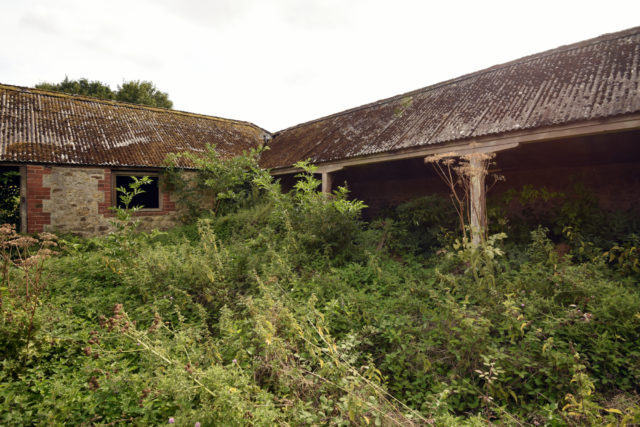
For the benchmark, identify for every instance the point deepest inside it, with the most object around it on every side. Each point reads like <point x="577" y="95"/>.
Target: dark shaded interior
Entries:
<point x="607" y="165"/>
<point x="149" y="199"/>
<point x="10" y="195"/>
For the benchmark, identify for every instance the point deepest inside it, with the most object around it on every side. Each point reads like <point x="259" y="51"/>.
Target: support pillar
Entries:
<point x="327" y="177"/>
<point x="477" y="199"/>
<point x="327" y="182"/>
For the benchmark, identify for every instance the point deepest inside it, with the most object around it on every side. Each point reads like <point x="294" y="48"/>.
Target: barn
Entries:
<point x="68" y="154"/>
<point x="552" y="119"/>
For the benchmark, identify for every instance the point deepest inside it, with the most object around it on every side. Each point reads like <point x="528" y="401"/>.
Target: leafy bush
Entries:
<point x="220" y="186"/>
<point x="516" y="212"/>
<point x="420" y="223"/>
<point x="284" y="308"/>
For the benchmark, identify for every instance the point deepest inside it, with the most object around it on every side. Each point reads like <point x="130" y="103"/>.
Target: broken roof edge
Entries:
<point x="84" y="98"/>
<point x="562" y="48"/>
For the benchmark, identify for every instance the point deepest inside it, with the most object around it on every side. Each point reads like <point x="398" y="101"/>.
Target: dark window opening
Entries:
<point x="149" y="199"/>
<point x="10" y="195"/>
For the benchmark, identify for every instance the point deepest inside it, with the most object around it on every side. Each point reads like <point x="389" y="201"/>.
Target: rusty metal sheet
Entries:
<point x="46" y="127"/>
<point x="593" y="79"/>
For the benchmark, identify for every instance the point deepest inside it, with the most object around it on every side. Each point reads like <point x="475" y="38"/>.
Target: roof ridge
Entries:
<point x="545" y="53"/>
<point x="85" y="98"/>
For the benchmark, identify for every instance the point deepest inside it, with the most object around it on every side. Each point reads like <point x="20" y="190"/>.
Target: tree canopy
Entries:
<point x="135" y="91"/>
<point x="143" y="92"/>
<point x="82" y="86"/>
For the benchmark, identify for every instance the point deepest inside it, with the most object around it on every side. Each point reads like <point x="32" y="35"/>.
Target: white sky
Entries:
<point x="277" y="63"/>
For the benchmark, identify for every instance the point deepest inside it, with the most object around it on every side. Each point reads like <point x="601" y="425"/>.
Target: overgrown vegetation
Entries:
<point x="286" y="309"/>
<point x="9" y="196"/>
<point x="461" y="173"/>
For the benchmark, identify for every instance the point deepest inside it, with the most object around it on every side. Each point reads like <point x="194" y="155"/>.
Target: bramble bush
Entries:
<point x="277" y="308"/>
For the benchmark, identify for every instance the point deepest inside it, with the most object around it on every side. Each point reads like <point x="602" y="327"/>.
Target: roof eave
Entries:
<point x="488" y="143"/>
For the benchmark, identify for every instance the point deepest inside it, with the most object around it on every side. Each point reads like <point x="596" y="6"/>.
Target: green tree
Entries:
<point x="143" y="92"/>
<point x="135" y="91"/>
<point x="82" y="86"/>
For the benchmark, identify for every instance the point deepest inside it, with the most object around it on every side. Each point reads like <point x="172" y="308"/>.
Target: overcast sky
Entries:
<point x="277" y="63"/>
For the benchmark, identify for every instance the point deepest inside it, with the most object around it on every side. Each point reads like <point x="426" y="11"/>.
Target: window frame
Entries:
<point x="138" y="174"/>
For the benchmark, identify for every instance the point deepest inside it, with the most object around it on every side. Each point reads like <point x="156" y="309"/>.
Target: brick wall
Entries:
<point x="37" y="193"/>
<point x="104" y="186"/>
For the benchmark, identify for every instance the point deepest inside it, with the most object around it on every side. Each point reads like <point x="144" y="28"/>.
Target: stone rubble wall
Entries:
<point x="76" y="200"/>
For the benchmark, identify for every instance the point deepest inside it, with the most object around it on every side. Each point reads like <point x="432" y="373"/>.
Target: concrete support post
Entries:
<point x="477" y="199"/>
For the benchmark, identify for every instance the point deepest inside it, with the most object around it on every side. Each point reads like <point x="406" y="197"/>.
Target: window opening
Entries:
<point x="150" y="199"/>
<point x="10" y="195"/>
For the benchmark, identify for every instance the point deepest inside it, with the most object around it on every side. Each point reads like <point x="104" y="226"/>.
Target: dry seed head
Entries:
<point x="44" y="236"/>
<point x="479" y="156"/>
<point x="7" y="231"/>
<point x="31" y="261"/>
<point x="435" y="158"/>
<point x="45" y="253"/>
<point x="23" y="242"/>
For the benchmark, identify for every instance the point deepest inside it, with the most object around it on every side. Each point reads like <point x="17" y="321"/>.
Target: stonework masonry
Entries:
<point x="77" y="200"/>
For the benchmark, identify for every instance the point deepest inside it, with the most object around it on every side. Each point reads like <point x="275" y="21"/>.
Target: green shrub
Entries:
<point x="516" y="212"/>
<point x="419" y="224"/>
<point x="285" y="308"/>
<point x="220" y="186"/>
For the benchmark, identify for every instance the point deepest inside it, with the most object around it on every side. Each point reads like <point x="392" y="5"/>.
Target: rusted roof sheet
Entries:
<point x="46" y="127"/>
<point x="597" y="78"/>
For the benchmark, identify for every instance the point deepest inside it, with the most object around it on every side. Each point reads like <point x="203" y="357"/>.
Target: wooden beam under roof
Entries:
<point x="489" y="143"/>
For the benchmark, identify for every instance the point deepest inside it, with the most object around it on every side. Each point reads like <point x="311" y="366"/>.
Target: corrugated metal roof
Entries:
<point x="47" y="127"/>
<point x="597" y="78"/>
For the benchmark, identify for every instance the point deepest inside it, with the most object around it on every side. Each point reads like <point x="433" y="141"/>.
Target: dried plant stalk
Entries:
<point x="465" y="175"/>
<point x="25" y="254"/>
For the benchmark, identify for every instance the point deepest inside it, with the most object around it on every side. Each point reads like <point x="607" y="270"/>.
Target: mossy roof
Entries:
<point x="594" y="79"/>
<point x="38" y="126"/>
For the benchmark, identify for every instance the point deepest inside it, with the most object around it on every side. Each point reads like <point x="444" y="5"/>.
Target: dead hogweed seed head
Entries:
<point x="23" y="242"/>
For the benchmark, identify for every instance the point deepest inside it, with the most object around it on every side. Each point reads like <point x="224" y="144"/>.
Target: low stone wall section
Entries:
<point x="77" y="200"/>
